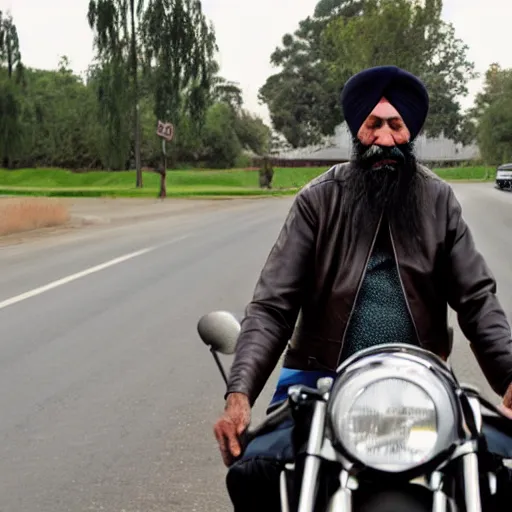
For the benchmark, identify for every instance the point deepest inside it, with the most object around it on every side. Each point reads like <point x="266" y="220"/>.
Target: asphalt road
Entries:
<point x="107" y="397"/>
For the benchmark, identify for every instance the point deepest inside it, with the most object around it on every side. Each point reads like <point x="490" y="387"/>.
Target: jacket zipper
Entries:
<point x="369" y="255"/>
<point x="402" y="285"/>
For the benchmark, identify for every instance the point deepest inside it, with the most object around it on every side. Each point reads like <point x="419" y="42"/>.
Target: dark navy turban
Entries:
<point x="402" y="89"/>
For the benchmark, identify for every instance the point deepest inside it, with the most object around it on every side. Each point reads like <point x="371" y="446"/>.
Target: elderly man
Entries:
<point x="372" y="252"/>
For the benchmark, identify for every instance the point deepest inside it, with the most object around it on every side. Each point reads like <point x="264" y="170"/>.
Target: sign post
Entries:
<point x="166" y="132"/>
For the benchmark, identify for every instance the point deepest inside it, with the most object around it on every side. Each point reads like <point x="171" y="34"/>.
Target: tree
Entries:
<point x="117" y="47"/>
<point x="302" y="98"/>
<point x="413" y="36"/>
<point x="179" y="45"/>
<point x="113" y="111"/>
<point x="344" y="37"/>
<point x="10" y="54"/>
<point x="492" y="114"/>
<point x="254" y="135"/>
<point x="54" y="118"/>
<point x="220" y="138"/>
<point x="11" y="137"/>
<point x="227" y="92"/>
<point x="59" y="120"/>
<point x="496" y="85"/>
<point x="11" y="134"/>
<point x="495" y="132"/>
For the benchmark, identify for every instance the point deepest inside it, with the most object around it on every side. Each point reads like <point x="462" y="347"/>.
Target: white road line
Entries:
<point x="83" y="273"/>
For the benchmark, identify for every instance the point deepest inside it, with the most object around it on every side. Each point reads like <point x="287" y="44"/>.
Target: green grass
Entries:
<point x="214" y="192"/>
<point x="467" y="173"/>
<point x="197" y="183"/>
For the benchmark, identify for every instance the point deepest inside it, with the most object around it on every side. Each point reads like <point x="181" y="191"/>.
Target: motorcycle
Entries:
<point x="393" y="431"/>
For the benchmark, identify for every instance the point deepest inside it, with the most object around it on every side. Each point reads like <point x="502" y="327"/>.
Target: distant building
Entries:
<point x="338" y="148"/>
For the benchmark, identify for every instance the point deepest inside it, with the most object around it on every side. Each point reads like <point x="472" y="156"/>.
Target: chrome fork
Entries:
<point x="342" y="499"/>
<point x="470" y="470"/>
<point x="309" y="485"/>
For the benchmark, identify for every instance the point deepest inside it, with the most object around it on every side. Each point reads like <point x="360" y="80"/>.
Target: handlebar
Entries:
<point x="494" y="418"/>
<point x="282" y="412"/>
<point x="276" y="417"/>
<point x="486" y="404"/>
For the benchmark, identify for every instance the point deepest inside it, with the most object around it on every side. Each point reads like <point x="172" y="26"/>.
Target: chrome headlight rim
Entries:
<point x="365" y="371"/>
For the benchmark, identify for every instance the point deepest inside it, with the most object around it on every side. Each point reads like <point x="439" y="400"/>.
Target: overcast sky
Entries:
<point x="247" y="33"/>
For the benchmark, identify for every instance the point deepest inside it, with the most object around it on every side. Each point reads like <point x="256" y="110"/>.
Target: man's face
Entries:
<point x="384" y="127"/>
<point x="382" y="139"/>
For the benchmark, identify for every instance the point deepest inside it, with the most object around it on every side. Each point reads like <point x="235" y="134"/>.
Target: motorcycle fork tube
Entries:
<point x="440" y="501"/>
<point x="471" y="482"/>
<point x="342" y="499"/>
<point x="285" y="501"/>
<point x="470" y="469"/>
<point x="312" y="463"/>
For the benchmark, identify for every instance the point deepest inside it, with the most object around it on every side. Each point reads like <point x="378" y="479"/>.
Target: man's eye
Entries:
<point x="395" y="125"/>
<point x="375" y="123"/>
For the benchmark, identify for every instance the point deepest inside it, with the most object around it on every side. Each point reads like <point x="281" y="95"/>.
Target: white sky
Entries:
<point x="247" y="33"/>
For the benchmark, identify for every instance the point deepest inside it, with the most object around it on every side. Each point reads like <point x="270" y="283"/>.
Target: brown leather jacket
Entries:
<point x="317" y="266"/>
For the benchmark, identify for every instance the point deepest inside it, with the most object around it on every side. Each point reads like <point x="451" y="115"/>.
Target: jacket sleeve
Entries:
<point x="472" y="295"/>
<point x="271" y="315"/>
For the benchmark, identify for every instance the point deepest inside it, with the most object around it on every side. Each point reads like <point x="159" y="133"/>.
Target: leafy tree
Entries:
<point x="220" y="138"/>
<point x="301" y="97"/>
<point x="468" y="132"/>
<point x="113" y="112"/>
<point x="10" y="55"/>
<point x="227" y="92"/>
<point x="492" y="114"/>
<point x="11" y="133"/>
<point x="345" y="36"/>
<point x="252" y="133"/>
<point x="411" y="35"/>
<point x="496" y="85"/>
<point x="117" y="46"/>
<point x="495" y="132"/>
<point x="55" y="118"/>
<point x="59" y="121"/>
<point x="178" y="46"/>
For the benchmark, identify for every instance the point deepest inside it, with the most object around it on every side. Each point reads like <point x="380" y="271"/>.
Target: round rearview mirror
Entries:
<point x="219" y="330"/>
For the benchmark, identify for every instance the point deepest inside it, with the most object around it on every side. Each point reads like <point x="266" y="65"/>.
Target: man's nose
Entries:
<point x="384" y="138"/>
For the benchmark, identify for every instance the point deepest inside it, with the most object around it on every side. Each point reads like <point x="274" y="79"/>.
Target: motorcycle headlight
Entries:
<point x="392" y="415"/>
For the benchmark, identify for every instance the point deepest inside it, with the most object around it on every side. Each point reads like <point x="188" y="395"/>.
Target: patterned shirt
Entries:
<point x="380" y="316"/>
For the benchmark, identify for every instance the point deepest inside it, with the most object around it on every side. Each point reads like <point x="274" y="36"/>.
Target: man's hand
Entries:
<point x="231" y="425"/>
<point x="506" y="407"/>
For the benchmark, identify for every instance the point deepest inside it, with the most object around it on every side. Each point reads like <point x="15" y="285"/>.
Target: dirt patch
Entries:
<point x="27" y="214"/>
<point x="104" y="213"/>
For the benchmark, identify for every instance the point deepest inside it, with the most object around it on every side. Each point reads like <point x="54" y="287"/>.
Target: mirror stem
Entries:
<point x="219" y="365"/>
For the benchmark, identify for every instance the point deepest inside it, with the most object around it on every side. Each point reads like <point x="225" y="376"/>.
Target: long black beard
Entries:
<point x="371" y="189"/>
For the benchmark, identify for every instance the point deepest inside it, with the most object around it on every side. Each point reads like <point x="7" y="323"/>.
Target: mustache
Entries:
<point x="376" y="157"/>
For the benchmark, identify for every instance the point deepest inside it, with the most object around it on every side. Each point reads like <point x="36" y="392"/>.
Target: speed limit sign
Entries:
<point x="165" y="130"/>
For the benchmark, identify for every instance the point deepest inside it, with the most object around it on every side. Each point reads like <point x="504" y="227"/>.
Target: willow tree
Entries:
<point x="11" y="78"/>
<point x="10" y="54"/>
<point x="115" y="26"/>
<point x="179" y="46"/>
